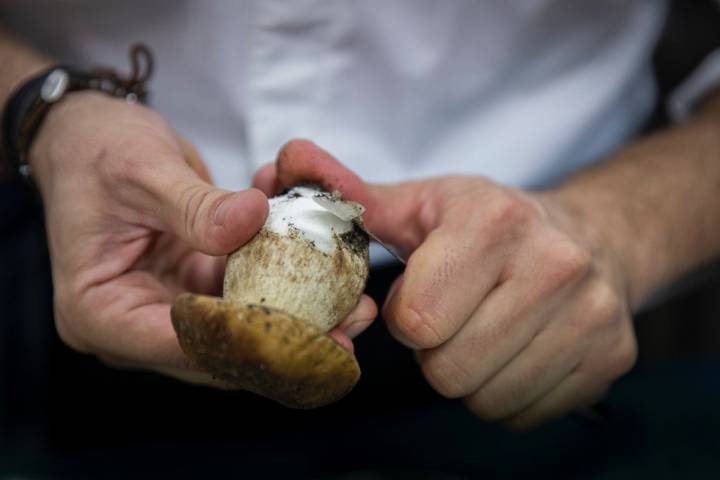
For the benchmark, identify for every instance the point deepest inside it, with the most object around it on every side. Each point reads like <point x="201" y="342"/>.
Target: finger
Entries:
<point x="340" y="337"/>
<point x="355" y="323"/>
<point x="532" y="284"/>
<point x="393" y="212"/>
<point x="195" y="377"/>
<point x="575" y="392"/>
<point x="266" y="180"/>
<point x="360" y="318"/>
<point x="134" y="326"/>
<point x="540" y="367"/>
<point x="200" y="273"/>
<point x="444" y="281"/>
<point x="583" y="328"/>
<point x="209" y="219"/>
<point x="141" y="336"/>
<point x="502" y="326"/>
<point x="194" y="159"/>
<point x="180" y="268"/>
<point x="188" y="375"/>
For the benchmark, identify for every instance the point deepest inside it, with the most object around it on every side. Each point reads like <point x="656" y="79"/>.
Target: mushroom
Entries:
<point x="302" y="273"/>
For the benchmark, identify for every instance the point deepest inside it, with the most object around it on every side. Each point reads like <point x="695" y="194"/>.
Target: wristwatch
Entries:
<point x="27" y="107"/>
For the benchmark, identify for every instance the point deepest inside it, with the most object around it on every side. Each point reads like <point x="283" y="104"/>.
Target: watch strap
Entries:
<point x="27" y="107"/>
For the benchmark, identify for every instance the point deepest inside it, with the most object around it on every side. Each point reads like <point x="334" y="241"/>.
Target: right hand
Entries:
<point x="130" y="224"/>
<point x="509" y="300"/>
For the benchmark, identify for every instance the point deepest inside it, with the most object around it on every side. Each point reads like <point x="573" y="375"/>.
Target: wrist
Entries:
<point x="592" y="222"/>
<point x="27" y="107"/>
<point x="57" y="131"/>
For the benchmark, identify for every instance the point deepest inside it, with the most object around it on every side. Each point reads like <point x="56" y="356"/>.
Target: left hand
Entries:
<point x="511" y="301"/>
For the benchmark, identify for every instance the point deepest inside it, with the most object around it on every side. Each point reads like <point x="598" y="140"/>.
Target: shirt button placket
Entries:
<point x="288" y="50"/>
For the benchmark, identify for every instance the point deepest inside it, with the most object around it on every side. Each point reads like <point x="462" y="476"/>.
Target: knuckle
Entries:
<point x="417" y="325"/>
<point x="604" y="305"/>
<point x="600" y="309"/>
<point x="623" y="358"/>
<point x="444" y="373"/>
<point x="569" y="262"/>
<point x="612" y="363"/>
<point x="577" y="260"/>
<point x="507" y="211"/>
<point x="192" y="201"/>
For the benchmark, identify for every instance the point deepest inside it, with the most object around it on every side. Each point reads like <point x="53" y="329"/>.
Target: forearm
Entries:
<point x="655" y="206"/>
<point x="18" y="62"/>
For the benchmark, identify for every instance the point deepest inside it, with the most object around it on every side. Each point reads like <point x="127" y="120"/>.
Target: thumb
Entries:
<point x="194" y="159"/>
<point x="400" y="214"/>
<point x="209" y="219"/>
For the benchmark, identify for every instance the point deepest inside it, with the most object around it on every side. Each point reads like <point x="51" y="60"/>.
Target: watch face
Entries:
<point x="55" y="85"/>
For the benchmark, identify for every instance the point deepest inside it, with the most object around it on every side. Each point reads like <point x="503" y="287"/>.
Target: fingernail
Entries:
<point x="221" y="211"/>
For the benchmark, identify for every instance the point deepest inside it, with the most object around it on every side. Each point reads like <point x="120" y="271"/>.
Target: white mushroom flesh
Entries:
<point x="299" y="212"/>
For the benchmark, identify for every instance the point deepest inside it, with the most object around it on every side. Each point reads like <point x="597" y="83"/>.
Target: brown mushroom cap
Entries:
<point x="264" y="350"/>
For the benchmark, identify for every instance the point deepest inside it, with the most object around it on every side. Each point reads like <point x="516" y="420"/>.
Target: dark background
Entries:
<point x="65" y="415"/>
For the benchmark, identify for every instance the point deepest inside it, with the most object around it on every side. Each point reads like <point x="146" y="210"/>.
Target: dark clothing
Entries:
<point x="66" y="415"/>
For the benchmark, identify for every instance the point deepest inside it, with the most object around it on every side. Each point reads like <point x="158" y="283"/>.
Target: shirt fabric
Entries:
<point x="688" y="96"/>
<point x="521" y="91"/>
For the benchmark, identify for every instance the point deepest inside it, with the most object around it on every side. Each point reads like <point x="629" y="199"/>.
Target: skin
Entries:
<point x="132" y="220"/>
<point x="520" y="302"/>
<point x="517" y="302"/>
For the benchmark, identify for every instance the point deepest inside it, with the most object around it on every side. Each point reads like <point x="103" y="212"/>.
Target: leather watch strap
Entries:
<point x="27" y="107"/>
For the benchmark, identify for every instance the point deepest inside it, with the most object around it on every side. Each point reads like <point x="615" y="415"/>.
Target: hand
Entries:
<point x="509" y="299"/>
<point x="132" y="221"/>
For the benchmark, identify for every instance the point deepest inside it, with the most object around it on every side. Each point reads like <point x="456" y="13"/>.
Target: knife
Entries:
<point x="347" y="210"/>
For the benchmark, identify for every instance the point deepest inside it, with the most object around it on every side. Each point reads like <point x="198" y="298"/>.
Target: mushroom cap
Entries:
<point x="264" y="350"/>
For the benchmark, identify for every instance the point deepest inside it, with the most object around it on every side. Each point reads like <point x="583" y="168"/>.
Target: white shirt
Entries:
<point x="522" y="91"/>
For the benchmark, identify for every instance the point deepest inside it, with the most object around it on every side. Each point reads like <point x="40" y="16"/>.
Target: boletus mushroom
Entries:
<point x="295" y="280"/>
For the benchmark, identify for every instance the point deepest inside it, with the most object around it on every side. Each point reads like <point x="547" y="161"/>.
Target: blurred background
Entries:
<point x="65" y="415"/>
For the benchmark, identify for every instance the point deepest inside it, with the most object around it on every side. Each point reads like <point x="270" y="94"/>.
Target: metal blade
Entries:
<point x="350" y="211"/>
<point x="344" y="210"/>
<point x="376" y="239"/>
